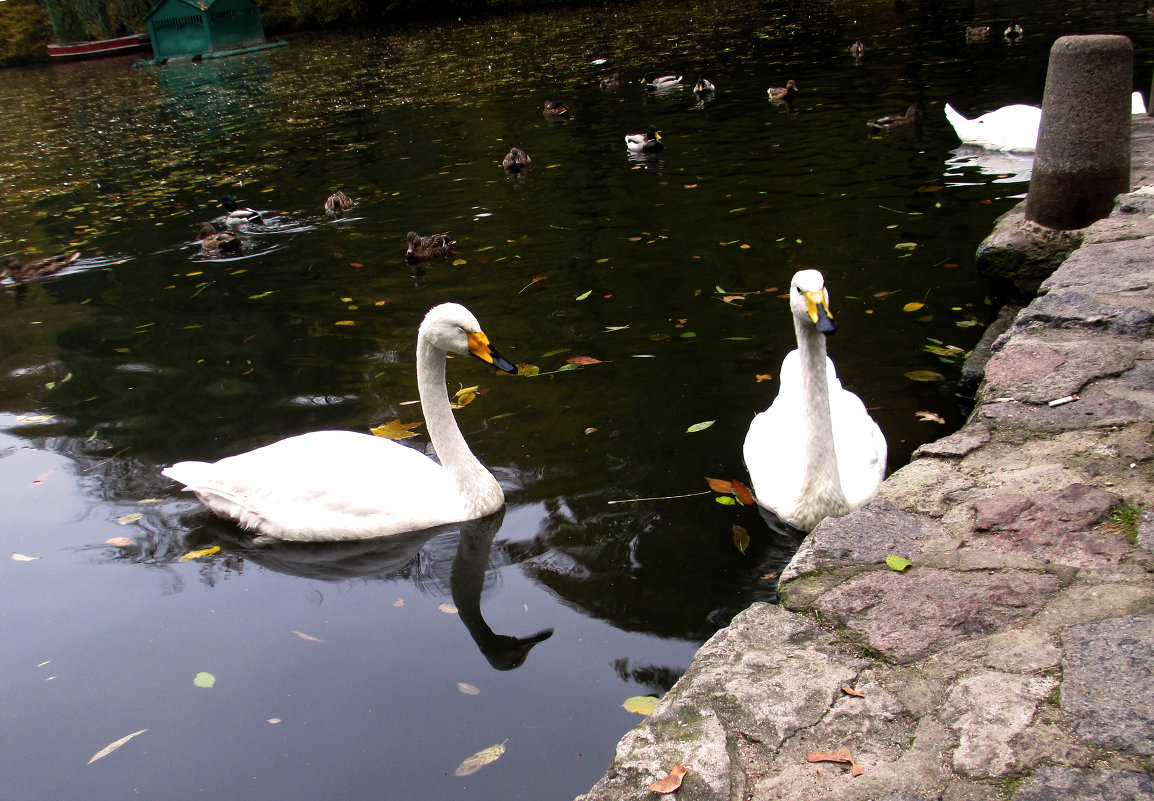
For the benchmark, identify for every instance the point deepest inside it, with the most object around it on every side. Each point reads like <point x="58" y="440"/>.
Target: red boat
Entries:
<point x="98" y="48"/>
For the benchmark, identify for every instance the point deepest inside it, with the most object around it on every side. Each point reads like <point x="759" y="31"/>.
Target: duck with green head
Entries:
<point x="648" y="142"/>
<point x="237" y="215"/>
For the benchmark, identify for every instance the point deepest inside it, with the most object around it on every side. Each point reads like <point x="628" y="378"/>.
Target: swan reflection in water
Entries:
<point x="384" y="557"/>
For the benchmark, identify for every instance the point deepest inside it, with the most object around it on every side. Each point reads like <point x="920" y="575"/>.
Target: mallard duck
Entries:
<point x="648" y="142"/>
<point x="975" y="33"/>
<point x="20" y="271"/>
<point x="703" y="87"/>
<point x="815" y="452"/>
<point x="342" y="485"/>
<point x="782" y="94"/>
<point x="610" y="81"/>
<point x="555" y="109"/>
<point x="661" y="81"/>
<point x="235" y="215"/>
<point x="516" y="160"/>
<point x="212" y="241"/>
<point x="1013" y="32"/>
<point x="422" y="248"/>
<point x="1012" y="128"/>
<point x="857" y="49"/>
<point x="338" y="201"/>
<point x="892" y="121"/>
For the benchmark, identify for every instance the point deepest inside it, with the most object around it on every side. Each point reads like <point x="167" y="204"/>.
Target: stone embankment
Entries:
<point x="1015" y="658"/>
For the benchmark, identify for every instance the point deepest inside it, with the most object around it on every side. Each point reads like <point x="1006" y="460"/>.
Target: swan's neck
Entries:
<point x="822" y="494"/>
<point x="478" y="490"/>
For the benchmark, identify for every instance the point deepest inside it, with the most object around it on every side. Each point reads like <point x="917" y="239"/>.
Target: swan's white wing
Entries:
<point x="861" y="447"/>
<point x="775" y="443"/>
<point x="326" y="485"/>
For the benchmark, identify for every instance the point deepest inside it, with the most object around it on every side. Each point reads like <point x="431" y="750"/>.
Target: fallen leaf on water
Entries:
<point x="108" y="749"/>
<point x="465" y="396"/>
<point x="764" y="377"/>
<point x="35" y="418"/>
<point x="671" y="782"/>
<point x="913" y="306"/>
<point x="743" y="493"/>
<point x="19" y="557"/>
<point x="885" y="293"/>
<point x="448" y="609"/>
<point x="119" y="542"/>
<point x="395" y="429"/>
<point x="273" y="721"/>
<point x="480" y="759"/>
<point x="924" y="375"/>
<point x="584" y="295"/>
<point x="399" y="602"/>
<point x="841" y="755"/>
<point x="459" y="262"/>
<point x="306" y="637"/>
<point x="740" y="538"/>
<point x="845" y="688"/>
<point x="197" y="554"/>
<point x="205" y="680"/>
<point x="770" y="576"/>
<point x="467" y="689"/>
<point x="345" y="322"/>
<point x="898" y="563"/>
<point x="720" y="485"/>
<point x="641" y="704"/>
<point x="582" y="360"/>
<point x="930" y="417"/>
<point x="129" y="518"/>
<point x="591" y="430"/>
<point x="905" y="245"/>
<point x="693" y="429"/>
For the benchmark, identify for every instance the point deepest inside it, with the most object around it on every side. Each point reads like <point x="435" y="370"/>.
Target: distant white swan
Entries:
<point x="815" y="452"/>
<point x="1011" y="128"/>
<point x="341" y="485"/>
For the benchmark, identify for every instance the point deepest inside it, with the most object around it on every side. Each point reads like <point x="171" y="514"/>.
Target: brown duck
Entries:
<point x="423" y="248"/>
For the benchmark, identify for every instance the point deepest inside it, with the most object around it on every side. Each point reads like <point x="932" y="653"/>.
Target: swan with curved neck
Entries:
<point x="815" y="452"/>
<point x="342" y="485"/>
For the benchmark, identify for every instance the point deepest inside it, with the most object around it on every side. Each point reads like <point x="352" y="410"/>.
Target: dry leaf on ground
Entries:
<point x="671" y="782"/>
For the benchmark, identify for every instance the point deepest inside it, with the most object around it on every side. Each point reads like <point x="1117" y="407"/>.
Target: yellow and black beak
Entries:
<point x="479" y="346"/>
<point x="818" y="308"/>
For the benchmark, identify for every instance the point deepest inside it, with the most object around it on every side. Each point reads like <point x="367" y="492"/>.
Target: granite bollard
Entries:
<point x="1082" y="160"/>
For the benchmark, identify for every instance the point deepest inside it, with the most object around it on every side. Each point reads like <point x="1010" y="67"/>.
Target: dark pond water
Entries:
<point x="145" y="353"/>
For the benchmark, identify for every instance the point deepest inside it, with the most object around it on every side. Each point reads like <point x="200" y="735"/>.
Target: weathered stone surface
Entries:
<point x="1108" y="676"/>
<point x="907" y="616"/>
<point x="1071" y="784"/>
<point x="1114" y="270"/>
<point x="1098" y="405"/>
<point x="961" y="442"/>
<point x="1020" y="254"/>
<point x="866" y="536"/>
<point x="1052" y="364"/>
<point x="1052" y="526"/>
<point x="987" y="711"/>
<point x="1072" y="309"/>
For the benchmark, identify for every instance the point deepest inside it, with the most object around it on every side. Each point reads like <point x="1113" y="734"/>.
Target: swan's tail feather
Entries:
<point x="195" y="476"/>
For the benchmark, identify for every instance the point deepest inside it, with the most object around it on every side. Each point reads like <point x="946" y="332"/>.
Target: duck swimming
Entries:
<point x="213" y="242"/>
<point x="661" y="81"/>
<point x="19" y="271"/>
<point x="648" y="142"/>
<point x="815" y="452"/>
<point x="236" y="215"/>
<point x="555" y="110"/>
<point x="703" y="87"/>
<point x="422" y="248"/>
<point x="782" y="94"/>
<point x="337" y="202"/>
<point x="894" y="121"/>
<point x="343" y="485"/>
<point x="516" y="160"/>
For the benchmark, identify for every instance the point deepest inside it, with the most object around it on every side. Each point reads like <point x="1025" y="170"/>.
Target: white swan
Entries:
<point x="341" y="485"/>
<point x="1012" y="128"/>
<point x="815" y="452"/>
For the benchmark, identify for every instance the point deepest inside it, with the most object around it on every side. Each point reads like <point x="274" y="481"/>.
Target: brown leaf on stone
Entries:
<point x="671" y="782"/>
<point x="845" y="688"/>
<point x="841" y="755"/>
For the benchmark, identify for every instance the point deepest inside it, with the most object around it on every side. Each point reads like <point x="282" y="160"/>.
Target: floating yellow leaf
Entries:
<point x="670" y="783"/>
<point x="480" y="759"/>
<point x="205" y="680"/>
<point x="641" y="704"/>
<point x="35" y="418"/>
<point x="345" y="322"/>
<point x="693" y="429"/>
<point x="108" y="749"/>
<point x="19" y="557"/>
<point x="273" y="721"/>
<point x="898" y="563"/>
<point x="119" y="542"/>
<point x="930" y="417"/>
<point x="924" y="375"/>
<point x="467" y="689"/>
<point x="395" y="429"/>
<point x="464" y="397"/>
<point x="447" y="609"/>
<point x="584" y="295"/>
<point x="129" y="518"/>
<point x="202" y="552"/>
<point x="905" y="245"/>
<point x="913" y="306"/>
<point x="459" y="262"/>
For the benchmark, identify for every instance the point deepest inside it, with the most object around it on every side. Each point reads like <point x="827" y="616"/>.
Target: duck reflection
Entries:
<point x="385" y="557"/>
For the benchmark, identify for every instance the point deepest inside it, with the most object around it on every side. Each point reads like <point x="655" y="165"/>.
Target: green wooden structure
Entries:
<point x="205" y="28"/>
